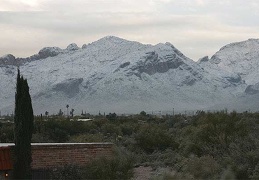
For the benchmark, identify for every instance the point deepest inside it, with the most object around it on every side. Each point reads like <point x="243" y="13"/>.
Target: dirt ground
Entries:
<point x="142" y="173"/>
<point x="147" y="173"/>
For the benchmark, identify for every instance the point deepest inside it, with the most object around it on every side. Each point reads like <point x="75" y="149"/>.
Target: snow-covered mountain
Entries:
<point x="117" y="75"/>
<point x="241" y="58"/>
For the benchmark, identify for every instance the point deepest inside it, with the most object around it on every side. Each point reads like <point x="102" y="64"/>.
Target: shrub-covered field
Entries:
<point x="217" y="145"/>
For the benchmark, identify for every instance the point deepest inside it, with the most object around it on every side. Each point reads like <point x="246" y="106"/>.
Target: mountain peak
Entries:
<point x="113" y="39"/>
<point x="8" y="56"/>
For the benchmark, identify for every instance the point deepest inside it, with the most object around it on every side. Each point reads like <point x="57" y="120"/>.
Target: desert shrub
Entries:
<point x="211" y="145"/>
<point x="189" y="143"/>
<point x="167" y="158"/>
<point x="212" y="134"/>
<point x="169" y="174"/>
<point x="151" y="138"/>
<point x="68" y="172"/>
<point x="60" y="130"/>
<point x="177" y="121"/>
<point x="59" y="135"/>
<point x="221" y="128"/>
<point x="143" y="113"/>
<point x="119" y="166"/>
<point x="112" y="117"/>
<point x="41" y="138"/>
<point x="228" y="174"/>
<point x="53" y="130"/>
<point x="6" y="133"/>
<point x="127" y="129"/>
<point x="99" y="123"/>
<point x="255" y="173"/>
<point x="242" y="157"/>
<point x="86" y="138"/>
<point x="190" y="148"/>
<point x="110" y="128"/>
<point x="205" y="167"/>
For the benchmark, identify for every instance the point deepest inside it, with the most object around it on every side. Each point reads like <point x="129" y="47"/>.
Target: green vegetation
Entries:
<point x="216" y="145"/>
<point x="119" y="166"/>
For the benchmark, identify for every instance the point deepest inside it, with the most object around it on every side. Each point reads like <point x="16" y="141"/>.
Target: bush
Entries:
<point x="205" y="167"/>
<point x="68" y="172"/>
<point x="111" y="129"/>
<point x="228" y="174"/>
<point x="119" y="166"/>
<point x="169" y="174"/>
<point x="86" y="138"/>
<point x="255" y="174"/>
<point x="6" y="133"/>
<point x="153" y="138"/>
<point x="41" y="138"/>
<point x="127" y="130"/>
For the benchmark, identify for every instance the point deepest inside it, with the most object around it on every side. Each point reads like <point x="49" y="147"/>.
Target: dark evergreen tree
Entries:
<point x="60" y="113"/>
<point x="23" y="129"/>
<point x="72" y="112"/>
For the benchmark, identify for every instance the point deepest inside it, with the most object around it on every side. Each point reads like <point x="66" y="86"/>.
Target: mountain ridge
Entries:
<point x="113" y="74"/>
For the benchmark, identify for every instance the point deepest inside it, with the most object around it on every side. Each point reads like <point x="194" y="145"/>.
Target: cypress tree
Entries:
<point x="23" y="128"/>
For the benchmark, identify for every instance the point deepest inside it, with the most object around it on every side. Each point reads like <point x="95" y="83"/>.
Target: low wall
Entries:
<point x="58" y="155"/>
<point x="47" y="156"/>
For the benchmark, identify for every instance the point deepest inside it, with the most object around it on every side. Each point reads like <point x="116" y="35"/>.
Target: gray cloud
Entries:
<point x="196" y="27"/>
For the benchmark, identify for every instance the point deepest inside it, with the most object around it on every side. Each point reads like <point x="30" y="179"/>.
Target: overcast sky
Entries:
<point x="195" y="27"/>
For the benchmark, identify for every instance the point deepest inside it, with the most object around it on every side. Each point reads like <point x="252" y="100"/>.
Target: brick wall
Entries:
<point x="47" y="156"/>
<point x="54" y="155"/>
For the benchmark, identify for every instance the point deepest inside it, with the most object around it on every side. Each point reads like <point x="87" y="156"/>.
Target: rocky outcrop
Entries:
<point x="8" y="59"/>
<point x="252" y="89"/>
<point x="69" y="87"/>
<point x="84" y="46"/>
<point x="204" y="59"/>
<point x="49" y="52"/>
<point x="44" y="53"/>
<point x="72" y="47"/>
<point x="154" y="64"/>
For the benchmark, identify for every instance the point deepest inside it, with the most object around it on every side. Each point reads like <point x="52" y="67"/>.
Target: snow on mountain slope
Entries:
<point x="238" y="61"/>
<point x="116" y="75"/>
<point x="241" y="58"/>
<point x="7" y="88"/>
